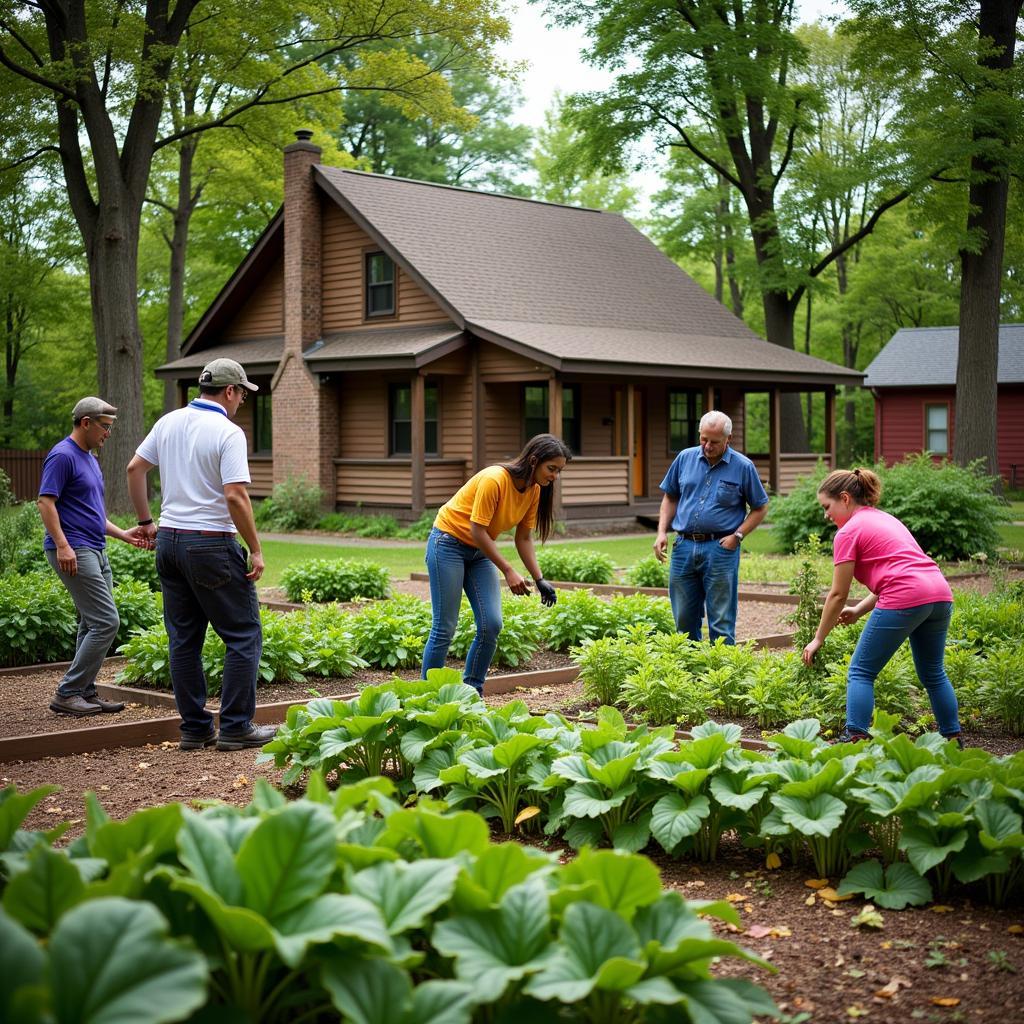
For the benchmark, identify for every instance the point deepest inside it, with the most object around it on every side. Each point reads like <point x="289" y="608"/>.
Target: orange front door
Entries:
<point x="639" y="444"/>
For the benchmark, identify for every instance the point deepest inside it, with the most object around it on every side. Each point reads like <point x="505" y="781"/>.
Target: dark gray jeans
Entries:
<point x="92" y="590"/>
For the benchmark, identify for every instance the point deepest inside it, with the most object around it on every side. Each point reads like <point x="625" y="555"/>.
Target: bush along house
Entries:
<point x="913" y="381"/>
<point x="405" y="334"/>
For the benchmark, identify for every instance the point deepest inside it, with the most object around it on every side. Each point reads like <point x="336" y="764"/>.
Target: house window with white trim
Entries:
<point x="380" y="285"/>
<point x="936" y="428"/>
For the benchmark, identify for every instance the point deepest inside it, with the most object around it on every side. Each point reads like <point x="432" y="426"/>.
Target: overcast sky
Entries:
<point x="555" y="64"/>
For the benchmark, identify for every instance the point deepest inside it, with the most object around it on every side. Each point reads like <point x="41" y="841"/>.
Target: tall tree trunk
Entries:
<point x="113" y="277"/>
<point x="976" y="435"/>
<point x="779" y="316"/>
<point x="178" y="242"/>
<point x="807" y="351"/>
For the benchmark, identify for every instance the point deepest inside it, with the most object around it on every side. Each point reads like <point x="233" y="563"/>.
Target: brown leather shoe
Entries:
<point x="110" y="706"/>
<point x="77" y="706"/>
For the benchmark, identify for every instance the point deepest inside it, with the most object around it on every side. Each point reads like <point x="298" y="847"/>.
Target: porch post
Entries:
<point x="709" y="398"/>
<point x="477" y="406"/>
<point x="830" y="426"/>
<point x="774" y="439"/>
<point x="183" y="387"/>
<point x="630" y="441"/>
<point x="419" y="442"/>
<point x="555" y="427"/>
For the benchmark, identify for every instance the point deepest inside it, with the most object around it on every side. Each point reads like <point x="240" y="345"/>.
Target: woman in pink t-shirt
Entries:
<point x="909" y="600"/>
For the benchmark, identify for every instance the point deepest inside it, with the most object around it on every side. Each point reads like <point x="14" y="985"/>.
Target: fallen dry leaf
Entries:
<point x="830" y="894"/>
<point x="759" y="931"/>
<point x="894" y="985"/>
<point x="526" y="814"/>
<point x="104" y="788"/>
<point x="240" y="782"/>
<point x="810" y="901"/>
<point x="941" y="908"/>
<point x="1016" y="929"/>
<point x="751" y="874"/>
<point x="815" y="883"/>
<point x="944" y="1001"/>
<point x="856" y="1011"/>
<point x="773" y="861"/>
<point x="736" y="897"/>
<point x="54" y="810"/>
<point x="143" y="765"/>
<point x="867" y="918"/>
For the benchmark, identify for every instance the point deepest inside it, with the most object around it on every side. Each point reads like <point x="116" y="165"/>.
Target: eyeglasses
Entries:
<point x="105" y="427"/>
<point x="244" y="392"/>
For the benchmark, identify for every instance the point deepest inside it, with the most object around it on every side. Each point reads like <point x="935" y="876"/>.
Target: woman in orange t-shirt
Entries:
<point x="462" y="552"/>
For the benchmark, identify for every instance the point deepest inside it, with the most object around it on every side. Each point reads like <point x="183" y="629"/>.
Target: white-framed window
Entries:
<point x="936" y="428"/>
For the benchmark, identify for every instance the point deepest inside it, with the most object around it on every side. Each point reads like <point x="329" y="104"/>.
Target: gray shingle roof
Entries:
<point x="923" y="356"/>
<point x="258" y="355"/>
<point x="408" y="345"/>
<point x="578" y="284"/>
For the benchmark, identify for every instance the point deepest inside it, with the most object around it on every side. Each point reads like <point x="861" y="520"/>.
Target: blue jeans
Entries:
<point x="704" y="574"/>
<point x="203" y="580"/>
<point x="92" y="590"/>
<point x="454" y="567"/>
<point x="926" y="627"/>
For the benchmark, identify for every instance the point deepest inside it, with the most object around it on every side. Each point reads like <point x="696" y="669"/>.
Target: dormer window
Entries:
<point x="380" y="285"/>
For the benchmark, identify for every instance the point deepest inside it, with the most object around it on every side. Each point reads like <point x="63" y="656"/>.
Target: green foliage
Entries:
<point x="7" y="498"/>
<point x="138" y="608"/>
<point x="521" y="631"/>
<point x="295" y="504"/>
<point x="575" y="565"/>
<point x="648" y="572"/>
<point x="378" y="525"/>
<point x="37" y="619"/>
<point x="579" y="615"/>
<point x="128" y="562"/>
<point x="21" y="539"/>
<point x="952" y="512"/>
<point x="286" y="910"/>
<point x="392" y="634"/>
<point x="604" y="665"/>
<point x="340" y="579"/>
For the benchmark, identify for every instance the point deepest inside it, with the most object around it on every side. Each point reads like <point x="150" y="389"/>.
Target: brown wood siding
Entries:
<point x="453" y="364"/>
<point x="734" y="406"/>
<point x="496" y="362"/>
<point x="456" y="415"/>
<point x="344" y="245"/>
<point x="590" y="481"/>
<point x="659" y="458"/>
<point x="442" y="480"/>
<point x="362" y="418"/>
<point x="262" y="313"/>
<point x="261" y="469"/>
<point x="596" y="438"/>
<point x="381" y="483"/>
<point x="1010" y="431"/>
<point x="503" y="422"/>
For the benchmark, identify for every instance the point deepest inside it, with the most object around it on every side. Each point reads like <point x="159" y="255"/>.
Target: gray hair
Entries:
<point x="712" y="418"/>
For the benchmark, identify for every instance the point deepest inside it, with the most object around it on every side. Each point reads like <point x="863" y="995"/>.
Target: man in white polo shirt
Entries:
<point x="204" y="572"/>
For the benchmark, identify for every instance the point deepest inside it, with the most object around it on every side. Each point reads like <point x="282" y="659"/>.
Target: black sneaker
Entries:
<point x="849" y="735"/>
<point x="111" y="707"/>
<point x="190" y="741"/>
<point x="956" y="736"/>
<point x="255" y="736"/>
<point x="76" y="705"/>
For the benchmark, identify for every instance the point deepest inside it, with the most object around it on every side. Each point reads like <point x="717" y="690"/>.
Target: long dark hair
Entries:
<point x="539" y="449"/>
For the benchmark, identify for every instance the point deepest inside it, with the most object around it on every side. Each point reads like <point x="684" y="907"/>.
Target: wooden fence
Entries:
<point x="24" y="468"/>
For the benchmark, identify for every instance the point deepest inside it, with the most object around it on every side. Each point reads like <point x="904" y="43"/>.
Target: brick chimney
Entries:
<point x="305" y="415"/>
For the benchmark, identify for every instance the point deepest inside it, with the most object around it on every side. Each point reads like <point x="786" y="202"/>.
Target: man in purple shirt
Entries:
<point x="707" y="492"/>
<point x="72" y="506"/>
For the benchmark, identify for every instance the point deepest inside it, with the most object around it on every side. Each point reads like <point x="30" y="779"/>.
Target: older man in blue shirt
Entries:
<point x="708" y="490"/>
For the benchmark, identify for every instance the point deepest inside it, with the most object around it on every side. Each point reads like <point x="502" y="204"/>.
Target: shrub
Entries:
<point x="578" y="616"/>
<point x="420" y="529"/>
<point x="37" y="619"/>
<point x="21" y="540"/>
<point x="292" y="505"/>
<point x="1002" y="693"/>
<point x="576" y="565"/>
<point x="628" y="610"/>
<point x="339" y="579"/>
<point x="520" y="636"/>
<point x="604" y="665"/>
<point x="648" y="572"/>
<point x="7" y="497"/>
<point x="138" y="608"/>
<point x="130" y="563"/>
<point x="392" y="634"/>
<point x="952" y="511"/>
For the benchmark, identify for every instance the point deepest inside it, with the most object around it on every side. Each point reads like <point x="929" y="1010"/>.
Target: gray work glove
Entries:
<point x="548" y="595"/>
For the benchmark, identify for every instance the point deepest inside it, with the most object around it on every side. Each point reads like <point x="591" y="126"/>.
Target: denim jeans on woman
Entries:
<point x="455" y="567"/>
<point x="925" y="627"/>
<point x="704" y="574"/>
<point x="92" y="590"/>
<point x="203" y="580"/>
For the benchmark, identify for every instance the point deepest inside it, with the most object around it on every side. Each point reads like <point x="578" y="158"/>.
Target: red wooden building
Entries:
<point x="913" y="380"/>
